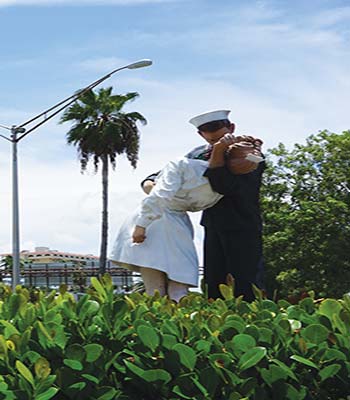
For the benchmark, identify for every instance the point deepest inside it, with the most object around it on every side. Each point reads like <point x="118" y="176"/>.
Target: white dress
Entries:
<point x="168" y="246"/>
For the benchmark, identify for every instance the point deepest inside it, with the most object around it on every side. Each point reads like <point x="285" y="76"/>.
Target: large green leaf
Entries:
<point x="16" y="303"/>
<point x="168" y="341"/>
<point x="48" y="394"/>
<point x="53" y="316"/>
<point x="315" y="333"/>
<point x="214" y="322"/>
<point x="304" y="361"/>
<point x="329" y="308"/>
<point x="90" y="378"/>
<point x="203" y="346"/>
<point x="329" y="371"/>
<point x="28" y="317"/>
<point x="172" y="328"/>
<point x="25" y="372"/>
<point x="78" y="386"/>
<point x="252" y="357"/>
<point x="149" y="375"/>
<point x="88" y="309"/>
<point x="99" y="288"/>
<point x="252" y="330"/>
<point x="232" y="326"/>
<point x="186" y="354"/>
<point x="148" y="336"/>
<point x="32" y="356"/>
<point x="156" y="375"/>
<point x="43" y="334"/>
<point x="333" y="354"/>
<point x="266" y="335"/>
<point x="242" y="343"/>
<point x="9" y="329"/>
<point x="74" y="364"/>
<point x="93" y="351"/>
<point x="42" y="368"/>
<point x="107" y="393"/>
<point x="75" y="352"/>
<point x="269" y="305"/>
<point x="342" y="327"/>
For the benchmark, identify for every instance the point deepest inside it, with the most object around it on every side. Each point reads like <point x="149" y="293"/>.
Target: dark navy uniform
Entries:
<point x="233" y="232"/>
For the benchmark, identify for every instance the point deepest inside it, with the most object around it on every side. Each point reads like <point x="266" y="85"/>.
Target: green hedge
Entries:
<point x="108" y="346"/>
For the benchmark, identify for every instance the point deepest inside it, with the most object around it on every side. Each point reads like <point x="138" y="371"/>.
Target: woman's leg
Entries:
<point x="154" y="280"/>
<point x="176" y="290"/>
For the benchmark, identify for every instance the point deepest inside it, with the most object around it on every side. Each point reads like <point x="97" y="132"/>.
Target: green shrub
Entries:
<point x="140" y="347"/>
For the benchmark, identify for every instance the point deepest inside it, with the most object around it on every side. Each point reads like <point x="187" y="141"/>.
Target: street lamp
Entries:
<point x="18" y="132"/>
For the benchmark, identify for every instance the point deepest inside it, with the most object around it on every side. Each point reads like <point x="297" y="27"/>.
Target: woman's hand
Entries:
<point x="139" y="234"/>
<point x="148" y="186"/>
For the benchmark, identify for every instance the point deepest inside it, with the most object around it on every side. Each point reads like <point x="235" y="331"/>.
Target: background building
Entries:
<point x="44" y="267"/>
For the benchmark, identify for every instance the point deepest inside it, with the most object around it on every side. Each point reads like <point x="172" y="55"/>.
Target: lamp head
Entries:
<point x="140" y="64"/>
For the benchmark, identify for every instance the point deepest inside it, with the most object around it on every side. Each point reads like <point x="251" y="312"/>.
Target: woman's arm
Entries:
<point x="152" y="207"/>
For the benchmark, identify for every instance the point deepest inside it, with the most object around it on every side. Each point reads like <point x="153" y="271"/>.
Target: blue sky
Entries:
<point x="280" y="66"/>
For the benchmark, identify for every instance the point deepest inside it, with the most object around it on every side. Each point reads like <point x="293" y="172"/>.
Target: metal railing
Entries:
<point x="51" y="275"/>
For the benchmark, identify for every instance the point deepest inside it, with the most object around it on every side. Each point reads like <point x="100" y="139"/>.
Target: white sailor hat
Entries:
<point x="210" y="116"/>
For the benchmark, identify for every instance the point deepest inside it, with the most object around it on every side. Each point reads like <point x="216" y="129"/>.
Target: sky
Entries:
<point x="282" y="68"/>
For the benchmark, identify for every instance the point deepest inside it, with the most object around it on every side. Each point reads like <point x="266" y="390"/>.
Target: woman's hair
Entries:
<point x="214" y="125"/>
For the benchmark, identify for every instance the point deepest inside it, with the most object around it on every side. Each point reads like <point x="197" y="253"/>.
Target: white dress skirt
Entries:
<point x="168" y="247"/>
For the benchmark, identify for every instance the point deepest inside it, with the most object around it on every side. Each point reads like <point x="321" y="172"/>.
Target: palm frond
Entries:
<point x="136" y="117"/>
<point x="100" y="127"/>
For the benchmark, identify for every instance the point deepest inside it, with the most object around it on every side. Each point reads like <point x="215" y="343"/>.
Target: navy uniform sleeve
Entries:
<point x="224" y="182"/>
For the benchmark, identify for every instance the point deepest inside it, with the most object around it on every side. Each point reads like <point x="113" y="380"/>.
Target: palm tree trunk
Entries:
<point x="104" y="232"/>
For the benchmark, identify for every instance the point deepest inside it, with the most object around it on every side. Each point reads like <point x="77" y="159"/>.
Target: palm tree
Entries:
<point x="100" y="132"/>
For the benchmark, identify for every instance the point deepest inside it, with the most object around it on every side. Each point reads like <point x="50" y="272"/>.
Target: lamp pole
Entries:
<point x="18" y="132"/>
<point x="15" y="208"/>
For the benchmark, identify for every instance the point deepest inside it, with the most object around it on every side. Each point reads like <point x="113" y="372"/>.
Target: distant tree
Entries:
<point x="306" y="208"/>
<point x="101" y="131"/>
<point x="6" y="263"/>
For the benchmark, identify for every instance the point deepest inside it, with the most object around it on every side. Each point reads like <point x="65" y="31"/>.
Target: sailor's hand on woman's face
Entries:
<point x="139" y="234"/>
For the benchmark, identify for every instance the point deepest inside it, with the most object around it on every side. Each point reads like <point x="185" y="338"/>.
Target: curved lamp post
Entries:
<point x="18" y="132"/>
